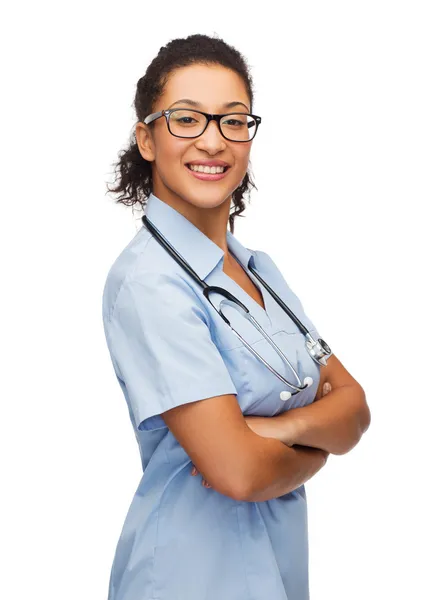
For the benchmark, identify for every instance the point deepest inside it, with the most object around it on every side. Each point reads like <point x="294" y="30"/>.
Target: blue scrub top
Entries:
<point x="180" y="540"/>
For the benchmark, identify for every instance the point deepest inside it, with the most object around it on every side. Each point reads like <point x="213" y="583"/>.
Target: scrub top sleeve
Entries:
<point x="160" y="343"/>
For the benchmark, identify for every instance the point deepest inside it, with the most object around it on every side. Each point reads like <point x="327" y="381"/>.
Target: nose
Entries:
<point x="212" y="139"/>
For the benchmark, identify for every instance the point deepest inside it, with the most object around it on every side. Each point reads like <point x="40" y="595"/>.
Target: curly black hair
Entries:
<point x="133" y="174"/>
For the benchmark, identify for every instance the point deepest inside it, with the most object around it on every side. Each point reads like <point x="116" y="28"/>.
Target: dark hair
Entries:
<point x="133" y="172"/>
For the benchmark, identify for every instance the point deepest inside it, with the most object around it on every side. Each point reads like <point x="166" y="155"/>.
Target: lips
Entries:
<point x="207" y="176"/>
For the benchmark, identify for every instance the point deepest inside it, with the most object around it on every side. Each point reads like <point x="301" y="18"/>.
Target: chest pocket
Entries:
<point x="258" y="388"/>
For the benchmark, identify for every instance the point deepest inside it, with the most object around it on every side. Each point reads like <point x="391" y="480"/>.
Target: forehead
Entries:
<point x="212" y="85"/>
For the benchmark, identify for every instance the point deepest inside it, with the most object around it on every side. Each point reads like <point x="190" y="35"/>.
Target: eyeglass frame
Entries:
<point x="210" y="117"/>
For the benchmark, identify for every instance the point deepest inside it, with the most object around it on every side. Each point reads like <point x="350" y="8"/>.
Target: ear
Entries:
<point x="145" y="142"/>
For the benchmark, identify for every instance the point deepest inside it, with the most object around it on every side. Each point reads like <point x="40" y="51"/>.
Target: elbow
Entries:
<point x="244" y="488"/>
<point x="238" y="492"/>
<point x="241" y="495"/>
<point x="231" y="487"/>
<point x="246" y="494"/>
<point x="259" y="483"/>
<point x="239" y="487"/>
<point x="360" y="426"/>
<point x="364" y="415"/>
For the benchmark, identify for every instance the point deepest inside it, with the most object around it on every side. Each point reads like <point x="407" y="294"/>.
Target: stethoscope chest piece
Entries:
<point x="319" y="351"/>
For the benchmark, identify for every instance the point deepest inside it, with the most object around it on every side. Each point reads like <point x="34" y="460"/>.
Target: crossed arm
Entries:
<point x="334" y="422"/>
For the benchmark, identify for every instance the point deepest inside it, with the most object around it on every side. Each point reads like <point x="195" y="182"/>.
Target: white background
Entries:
<point x="348" y="175"/>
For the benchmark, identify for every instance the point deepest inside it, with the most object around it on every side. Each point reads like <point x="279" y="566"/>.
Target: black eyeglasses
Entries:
<point x="187" y="123"/>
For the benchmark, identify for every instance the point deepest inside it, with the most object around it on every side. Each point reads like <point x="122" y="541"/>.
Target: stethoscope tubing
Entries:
<point x="323" y="350"/>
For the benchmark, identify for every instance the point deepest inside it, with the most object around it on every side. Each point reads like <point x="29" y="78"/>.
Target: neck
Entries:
<point x="211" y="221"/>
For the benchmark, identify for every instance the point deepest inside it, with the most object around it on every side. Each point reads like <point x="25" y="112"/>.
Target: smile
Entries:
<point x="207" y="173"/>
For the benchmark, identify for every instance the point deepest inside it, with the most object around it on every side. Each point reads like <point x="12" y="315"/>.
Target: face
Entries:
<point x="173" y="182"/>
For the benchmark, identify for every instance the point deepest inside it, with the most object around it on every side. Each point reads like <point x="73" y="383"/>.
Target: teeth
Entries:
<point x="205" y="169"/>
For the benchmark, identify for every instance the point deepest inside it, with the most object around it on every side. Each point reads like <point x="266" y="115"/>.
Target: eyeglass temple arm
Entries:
<point x="152" y="117"/>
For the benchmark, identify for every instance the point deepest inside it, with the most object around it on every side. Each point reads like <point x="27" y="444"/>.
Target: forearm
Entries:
<point x="278" y="469"/>
<point x="334" y="423"/>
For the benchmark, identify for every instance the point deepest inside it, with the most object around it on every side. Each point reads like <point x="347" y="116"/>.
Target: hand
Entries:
<point x="273" y="427"/>
<point x="281" y="427"/>
<point x="326" y="388"/>
<point x="268" y="427"/>
<point x="203" y="482"/>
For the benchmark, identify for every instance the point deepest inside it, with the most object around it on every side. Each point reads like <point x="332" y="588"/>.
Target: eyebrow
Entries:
<point x="198" y="104"/>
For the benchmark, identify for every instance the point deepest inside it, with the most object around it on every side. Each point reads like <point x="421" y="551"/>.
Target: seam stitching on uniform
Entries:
<point x="129" y="274"/>
<point x="242" y="553"/>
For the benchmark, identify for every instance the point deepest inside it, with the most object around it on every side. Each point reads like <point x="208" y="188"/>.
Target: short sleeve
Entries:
<point x="161" y="347"/>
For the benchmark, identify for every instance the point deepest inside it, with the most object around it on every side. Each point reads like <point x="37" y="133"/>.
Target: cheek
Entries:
<point x="169" y="161"/>
<point x="169" y="153"/>
<point x="242" y="156"/>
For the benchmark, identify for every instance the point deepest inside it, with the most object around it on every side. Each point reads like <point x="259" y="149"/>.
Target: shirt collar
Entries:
<point x="197" y="249"/>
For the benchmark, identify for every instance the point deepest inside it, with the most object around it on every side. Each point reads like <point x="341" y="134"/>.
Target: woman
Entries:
<point x="197" y="397"/>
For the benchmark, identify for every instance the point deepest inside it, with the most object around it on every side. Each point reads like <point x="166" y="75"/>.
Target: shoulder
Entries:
<point x="263" y="261"/>
<point x="268" y="269"/>
<point x="261" y="257"/>
<point x="146" y="276"/>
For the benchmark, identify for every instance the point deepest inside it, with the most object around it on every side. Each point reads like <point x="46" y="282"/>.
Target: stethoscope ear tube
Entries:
<point x="173" y="252"/>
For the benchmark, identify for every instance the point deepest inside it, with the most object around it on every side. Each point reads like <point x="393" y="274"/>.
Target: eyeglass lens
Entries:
<point x="236" y="127"/>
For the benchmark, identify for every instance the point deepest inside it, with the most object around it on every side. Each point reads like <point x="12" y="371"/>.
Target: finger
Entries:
<point x="194" y="470"/>
<point x="326" y="388"/>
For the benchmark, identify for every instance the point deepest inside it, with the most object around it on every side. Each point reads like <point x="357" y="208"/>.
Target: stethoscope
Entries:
<point x="318" y="350"/>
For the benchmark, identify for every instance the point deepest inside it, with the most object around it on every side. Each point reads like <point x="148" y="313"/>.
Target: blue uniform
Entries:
<point x="180" y="540"/>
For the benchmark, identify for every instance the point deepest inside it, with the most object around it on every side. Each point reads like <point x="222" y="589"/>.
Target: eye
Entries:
<point x="185" y="120"/>
<point x="233" y="122"/>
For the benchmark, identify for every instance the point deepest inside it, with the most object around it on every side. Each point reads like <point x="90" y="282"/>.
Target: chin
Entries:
<point x="208" y="200"/>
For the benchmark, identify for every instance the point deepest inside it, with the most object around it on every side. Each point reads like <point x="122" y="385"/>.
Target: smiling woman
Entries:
<point x="202" y="80"/>
<point x="172" y="138"/>
<point x="188" y="379"/>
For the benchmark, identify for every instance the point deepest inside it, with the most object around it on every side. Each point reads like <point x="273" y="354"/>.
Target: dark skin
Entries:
<point x="334" y="422"/>
<point x="264" y="426"/>
<point x="205" y="204"/>
<point x="339" y="415"/>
